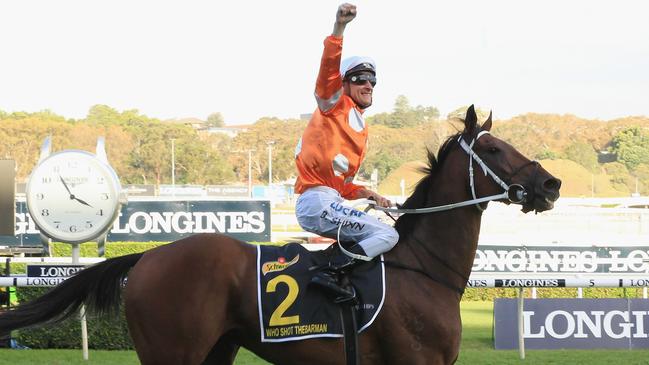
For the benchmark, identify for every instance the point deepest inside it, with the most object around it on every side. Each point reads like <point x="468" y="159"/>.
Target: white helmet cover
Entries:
<point x="362" y="63"/>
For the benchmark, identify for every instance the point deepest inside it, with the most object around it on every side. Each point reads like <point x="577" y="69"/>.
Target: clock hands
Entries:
<point x="81" y="201"/>
<point x="66" y="187"/>
<point x="72" y="197"/>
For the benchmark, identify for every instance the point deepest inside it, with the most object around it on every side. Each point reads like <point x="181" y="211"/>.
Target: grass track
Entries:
<point x="477" y="348"/>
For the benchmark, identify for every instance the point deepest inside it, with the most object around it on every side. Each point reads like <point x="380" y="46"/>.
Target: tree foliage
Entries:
<point x="139" y="147"/>
<point x="278" y="136"/>
<point x="403" y="115"/>
<point x="583" y="154"/>
<point x="631" y="146"/>
<point x="215" y="120"/>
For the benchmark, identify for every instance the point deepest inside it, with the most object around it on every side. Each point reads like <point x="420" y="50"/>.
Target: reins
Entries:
<point x="515" y="193"/>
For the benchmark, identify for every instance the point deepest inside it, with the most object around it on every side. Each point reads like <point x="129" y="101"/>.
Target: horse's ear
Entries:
<point x="471" y="120"/>
<point x="487" y="124"/>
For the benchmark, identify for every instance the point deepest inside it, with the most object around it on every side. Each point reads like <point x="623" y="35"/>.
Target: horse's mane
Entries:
<point x="405" y="224"/>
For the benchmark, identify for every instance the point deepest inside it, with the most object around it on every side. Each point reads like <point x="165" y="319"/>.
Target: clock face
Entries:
<point x="72" y="196"/>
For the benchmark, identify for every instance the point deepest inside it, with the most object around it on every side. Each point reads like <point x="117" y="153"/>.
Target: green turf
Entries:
<point x="96" y="357"/>
<point x="477" y="348"/>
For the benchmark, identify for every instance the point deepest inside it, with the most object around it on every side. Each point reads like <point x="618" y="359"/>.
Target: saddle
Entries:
<point x="291" y="308"/>
<point x="333" y="277"/>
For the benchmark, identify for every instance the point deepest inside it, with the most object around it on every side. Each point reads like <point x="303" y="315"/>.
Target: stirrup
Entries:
<point x="330" y="285"/>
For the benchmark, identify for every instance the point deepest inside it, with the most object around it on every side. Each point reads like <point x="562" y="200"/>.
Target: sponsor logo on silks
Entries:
<point x="346" y="210"/>
<point x="279" y="265"/>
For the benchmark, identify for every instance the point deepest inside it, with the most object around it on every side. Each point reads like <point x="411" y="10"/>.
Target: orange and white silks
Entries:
<point x="334" y="142"/>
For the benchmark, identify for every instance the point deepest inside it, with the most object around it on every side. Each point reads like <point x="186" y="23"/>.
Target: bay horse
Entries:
<point x="214" y="310"/>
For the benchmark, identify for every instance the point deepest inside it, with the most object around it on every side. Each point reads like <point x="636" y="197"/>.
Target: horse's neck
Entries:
<point x="449" y="236"/>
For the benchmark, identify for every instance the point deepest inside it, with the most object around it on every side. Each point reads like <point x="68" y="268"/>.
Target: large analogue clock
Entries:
<point x="73" y="196"/>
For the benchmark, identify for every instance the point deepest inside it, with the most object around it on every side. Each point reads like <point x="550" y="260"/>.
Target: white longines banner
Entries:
<point x="573" y="323"/>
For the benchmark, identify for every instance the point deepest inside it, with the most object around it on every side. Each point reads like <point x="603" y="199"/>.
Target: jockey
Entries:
<point x="329" y="155"/>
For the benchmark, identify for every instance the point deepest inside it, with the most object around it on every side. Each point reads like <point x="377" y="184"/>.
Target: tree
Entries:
<point x="284" y="133"/>
<point x="102" y="114"/>
<point x="403" y="115"/>
<point x="383" y="161"/>
<point x="631" y="146"/>
<point x="215" y="120"/>
<point x="198" y="163"/>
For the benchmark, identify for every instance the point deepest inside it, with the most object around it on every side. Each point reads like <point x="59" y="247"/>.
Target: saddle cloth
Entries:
<point x="290" y="309"/>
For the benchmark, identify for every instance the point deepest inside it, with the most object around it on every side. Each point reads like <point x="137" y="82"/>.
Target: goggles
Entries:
<point x="360" y="79"/>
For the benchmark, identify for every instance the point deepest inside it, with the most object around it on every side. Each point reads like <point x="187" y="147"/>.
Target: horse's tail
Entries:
<point x="98" y="287"/>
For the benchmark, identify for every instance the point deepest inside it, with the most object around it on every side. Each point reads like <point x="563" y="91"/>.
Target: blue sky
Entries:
<point x="249" y="59"/>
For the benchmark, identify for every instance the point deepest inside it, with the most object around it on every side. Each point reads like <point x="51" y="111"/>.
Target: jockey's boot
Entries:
<point x="329" y="277"/>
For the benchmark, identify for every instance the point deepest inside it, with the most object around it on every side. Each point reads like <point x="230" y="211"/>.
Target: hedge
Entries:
<point x="111" y="333"/>
<point x="105" y="333"/>
<point x="489" y="294"/>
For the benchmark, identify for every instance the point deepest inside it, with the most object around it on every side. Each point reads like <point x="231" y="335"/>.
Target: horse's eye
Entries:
<point x="493" y="149"/>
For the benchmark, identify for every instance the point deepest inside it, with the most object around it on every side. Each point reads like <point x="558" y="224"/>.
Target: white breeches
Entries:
<point x="320" y="210"/>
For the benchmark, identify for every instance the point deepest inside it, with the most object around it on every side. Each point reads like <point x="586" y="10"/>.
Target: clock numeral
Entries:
<point x="104" y="196"/>
<point x="73" y="228"/>
<point x="45" y="212"/>
<point x="47" y="180"/>
<point x="88" y="224"/>
<point x="73" y="164"/>
<point x="56" y="169"/>
<point x="40" y="196"/>
<point x="101" y="212"/>
<point x="58" y="224"/>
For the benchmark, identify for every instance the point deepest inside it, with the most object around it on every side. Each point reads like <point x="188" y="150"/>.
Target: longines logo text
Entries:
<point x="195" y="222"/>
<point x="561" y="324"/>
<point x="173" y="222"/>
<point x="565" y="260"/>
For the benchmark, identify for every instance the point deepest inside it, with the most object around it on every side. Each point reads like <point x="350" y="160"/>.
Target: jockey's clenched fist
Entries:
<point x="346" y="13"/>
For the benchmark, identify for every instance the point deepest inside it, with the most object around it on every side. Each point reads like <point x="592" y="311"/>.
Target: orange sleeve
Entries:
<point x="329" y="81"/>
<point x="350" y="190"/>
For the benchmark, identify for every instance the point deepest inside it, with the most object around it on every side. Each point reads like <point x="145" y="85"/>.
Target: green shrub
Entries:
<point x="104" y="333"/>
<point x="489" y="294"/>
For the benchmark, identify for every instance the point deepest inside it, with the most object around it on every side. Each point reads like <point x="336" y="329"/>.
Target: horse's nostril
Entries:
<point x="552" y="184"/>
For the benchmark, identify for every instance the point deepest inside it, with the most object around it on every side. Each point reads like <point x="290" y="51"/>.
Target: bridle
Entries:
<point x="515" y="193"/>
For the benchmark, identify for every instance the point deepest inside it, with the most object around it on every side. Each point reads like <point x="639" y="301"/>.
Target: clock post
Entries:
<point x="74" y="196"/>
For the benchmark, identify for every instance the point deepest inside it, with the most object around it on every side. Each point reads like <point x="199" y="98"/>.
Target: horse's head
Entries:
<point x="497" y="167"/>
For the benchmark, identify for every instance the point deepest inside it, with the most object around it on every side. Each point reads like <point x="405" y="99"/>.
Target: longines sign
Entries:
<point x="562" y="259"/>
<point x="573" y="323"/>
<point x="167" y="221"/>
